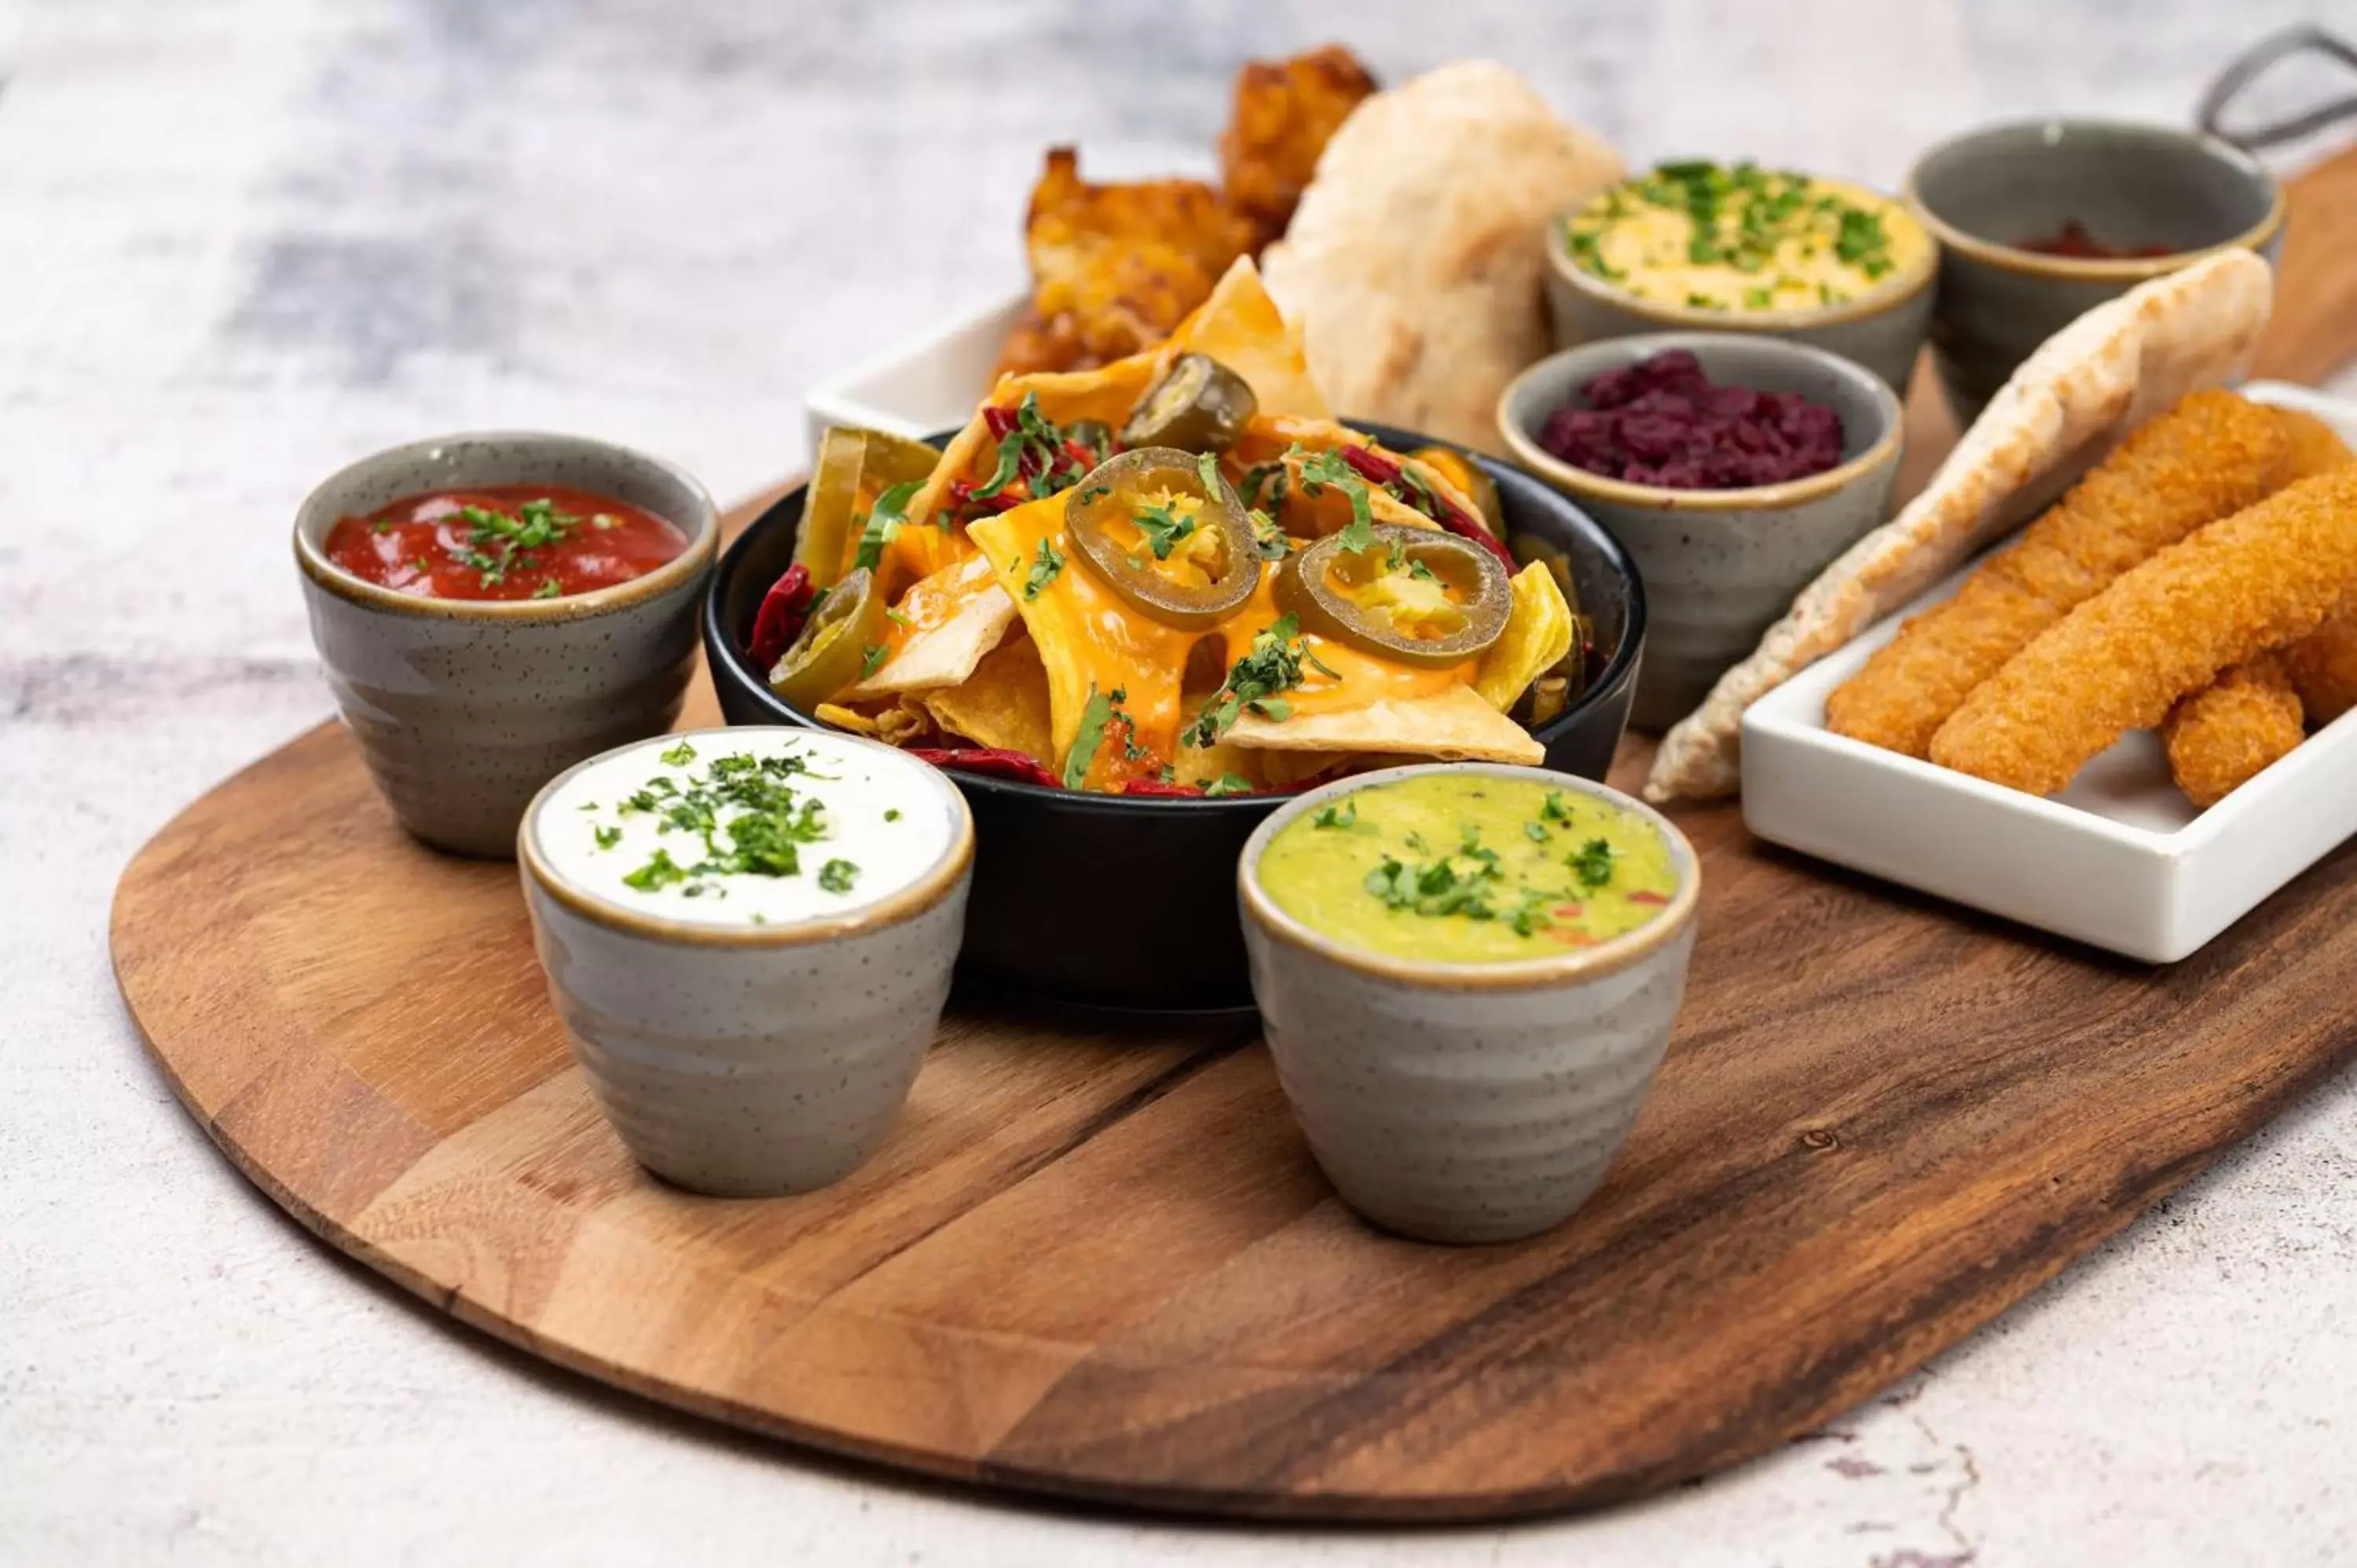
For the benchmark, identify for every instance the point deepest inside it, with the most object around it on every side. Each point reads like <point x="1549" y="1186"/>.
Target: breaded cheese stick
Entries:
<point x="2323" y="666"/>
<point x="2221" y="736"/>
<point x="2209" y="456"/>
<point x="2316" y="446"/>
<point x="2264" y="577"/>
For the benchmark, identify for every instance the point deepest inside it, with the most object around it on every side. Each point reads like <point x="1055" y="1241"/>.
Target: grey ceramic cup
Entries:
<point x="1719" y="566"/>
<point x="1465" y="1102"/>
<point x="753" y="1060"/>
<point x="464" y="708"/>
<point x="1983" y="193"/>
<point x="1882" y="328"/>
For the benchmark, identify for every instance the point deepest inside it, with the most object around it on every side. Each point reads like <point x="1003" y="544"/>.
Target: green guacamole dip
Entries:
<point x="1469" y="868"/>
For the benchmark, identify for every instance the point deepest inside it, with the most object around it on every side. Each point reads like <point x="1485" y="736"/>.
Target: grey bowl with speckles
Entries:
<point x="1465" y="1102"/>
<point x="1719" y="566"/>
<point x="464" y="708"/>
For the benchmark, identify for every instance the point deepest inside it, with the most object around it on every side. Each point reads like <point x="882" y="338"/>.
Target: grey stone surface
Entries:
<point x="245" y="241"/>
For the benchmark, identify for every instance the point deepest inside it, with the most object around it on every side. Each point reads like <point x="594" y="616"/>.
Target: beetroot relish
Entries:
<point x="1663" y="422"/>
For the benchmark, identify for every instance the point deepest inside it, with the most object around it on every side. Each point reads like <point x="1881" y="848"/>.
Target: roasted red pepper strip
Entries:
<point x="779" y="619"/>
<point x="1376" y="468"/>
<point x="1156" y="788"/>
<point x="988" y="761"/>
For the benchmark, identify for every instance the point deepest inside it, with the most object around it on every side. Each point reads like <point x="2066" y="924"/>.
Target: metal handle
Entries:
<point x="2244" y="70"/>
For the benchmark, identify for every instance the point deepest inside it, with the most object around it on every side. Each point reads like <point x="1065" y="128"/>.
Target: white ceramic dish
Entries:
<point x="2119" y="859"/>
<point x="928" y="383"/>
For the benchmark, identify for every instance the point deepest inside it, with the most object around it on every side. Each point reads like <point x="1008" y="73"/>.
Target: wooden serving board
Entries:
<point x="1104" y="1265"/>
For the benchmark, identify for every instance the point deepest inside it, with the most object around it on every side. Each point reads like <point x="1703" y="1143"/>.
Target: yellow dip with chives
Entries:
<point x="1469" y="868"/>
<point x="1708" y="236"/>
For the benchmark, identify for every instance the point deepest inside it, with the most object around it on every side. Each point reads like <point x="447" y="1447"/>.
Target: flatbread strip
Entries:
<point x="2261" y="578"/>
<point x="2106" y="373"/>
<point x="2208" y="457"/>
<point x="2222" y="736"/>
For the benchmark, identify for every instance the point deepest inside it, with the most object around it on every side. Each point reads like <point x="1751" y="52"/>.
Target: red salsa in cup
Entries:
<point x="503" y="541"/>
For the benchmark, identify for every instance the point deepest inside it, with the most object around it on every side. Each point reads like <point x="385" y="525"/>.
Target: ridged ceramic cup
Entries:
<point x="1465" y="1102"/>
<point x="1719" y="566"/>
<point x="463" y="708"/>
<point x="752" y="1061"/>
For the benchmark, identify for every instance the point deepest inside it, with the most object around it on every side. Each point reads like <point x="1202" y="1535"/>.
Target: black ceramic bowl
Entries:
<point x="1130" y="905"/>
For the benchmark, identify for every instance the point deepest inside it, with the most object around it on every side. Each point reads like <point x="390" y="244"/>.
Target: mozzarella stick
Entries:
<point x="2264" y="577"/>
<point x="2221" y="736"/>
<point x="2323" y="666"/>
<point x="2211" y="456"/>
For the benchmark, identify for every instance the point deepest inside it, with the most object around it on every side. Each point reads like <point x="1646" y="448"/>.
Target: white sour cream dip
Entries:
<point x="746" y="827"/>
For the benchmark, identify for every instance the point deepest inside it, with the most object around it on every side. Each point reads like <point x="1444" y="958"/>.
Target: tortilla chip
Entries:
<point x="1271" y="436"/>
<point x="1456" y="725"/>
<point x="1003" y="704"/>
<point x="1241" y="327"/>
<point x="2084" y="388"/>
<point x="1538" y="633"/>
<point x="1106" y="395"/>
<point x="961" y="614"/>
<point x="842" y="718"/>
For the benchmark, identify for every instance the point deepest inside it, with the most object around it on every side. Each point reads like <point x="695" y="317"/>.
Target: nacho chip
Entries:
<point x="1275" y="438"/>
<point x="837" y="716"/>
<point x="944" y="626"/>
<point x="1539" y="630"/>
<point x="1241" y="327"/>
<point x="1454" y="726"/>
<point x="1003" y="705"/>
<point x="1065" y="398"/>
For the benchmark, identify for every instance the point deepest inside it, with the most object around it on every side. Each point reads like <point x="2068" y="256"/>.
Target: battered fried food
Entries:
<point x="2212" y="455"/>
<point x="2221" y="736"/>
<point x="2264" y="577"/>
<point x="1115" y="267"/>
<point x="2323" y="666"/>
<point x="1285" y="111"/>
<point x="2316" y="446"/>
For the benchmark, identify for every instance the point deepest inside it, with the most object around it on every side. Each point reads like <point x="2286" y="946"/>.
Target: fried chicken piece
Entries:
<point x="2211" y="456"/>
<point x="2264" y="577"/>
<point x="1115" y="267"/>
<point x="1285" y="112"/>
<point x="2221" y="736"/>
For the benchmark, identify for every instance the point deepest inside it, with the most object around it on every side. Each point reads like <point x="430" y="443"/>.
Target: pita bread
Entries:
<point x="2085" y="387"/>
<point x="1416" y="261"/>
<point x="1456" y="725"/>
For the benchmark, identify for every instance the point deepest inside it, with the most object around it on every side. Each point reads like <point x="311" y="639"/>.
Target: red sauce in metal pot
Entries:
<point x="503" y="541"/>
<point x="2073" y="240"/>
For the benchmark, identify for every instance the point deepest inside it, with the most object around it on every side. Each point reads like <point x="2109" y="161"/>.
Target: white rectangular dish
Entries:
<point x="924" y="383"/>
<point x="2119" y="859"/>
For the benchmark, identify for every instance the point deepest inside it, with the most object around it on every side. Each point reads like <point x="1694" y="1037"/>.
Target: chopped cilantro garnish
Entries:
<point x="608" y="837"/>
<point x="836" y="876"/>
<point x="1535" y="834"/>
<point x="1345" y="815"/>
<point x="1593" y="863"/>
<point x="1046" y="562"/>
<point x="1329" y="467"/>
<point x="1163" y="529"/>
<point x="884" y="521"/>
<point x="1095" y="713"/>
<point x="1553" y="811"/>
<point x="1036" y="453"/>
<point x="1272" y="664"/>
<point x="870" y="656"/>
<point x="678" y="756"/>
<point x="891" y="813"/>
<point x="660" y="872"/>
<point x="897" y="618"/>
<point x="547" y="590"/>
<point x="1229" y="784"/>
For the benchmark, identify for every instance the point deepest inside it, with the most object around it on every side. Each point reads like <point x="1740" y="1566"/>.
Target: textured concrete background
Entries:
<point x="245" y="241"/>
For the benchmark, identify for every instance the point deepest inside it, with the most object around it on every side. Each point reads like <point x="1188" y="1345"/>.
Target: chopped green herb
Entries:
<point x="891" y="813"/>
<point x="897" y="618"/>
<point x="870" y="656"/>
<point x="1163" y="529"/>
<point x="884" y="520"/>
<point x="1046" y="562"/>
<point x="678" y="756"/>
<point x="660" y="872"/>
<point x="1345" y="815"/>
<point x="1272" y="664"/>
<point x="608" y="837"/>
<point x="1095" y="713"/>
<point x="547" y="590"/>
<point x="1331" y="468"/>
<point x="1593" y="863"/>
<point x="1555" y="810"/>
<point x="836" y="876"/>
<point x="1535" y="834"/>
<point x="1229" y="784"/>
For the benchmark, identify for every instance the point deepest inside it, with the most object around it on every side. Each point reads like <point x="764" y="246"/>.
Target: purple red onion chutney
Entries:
<point x="1663" y="422"/>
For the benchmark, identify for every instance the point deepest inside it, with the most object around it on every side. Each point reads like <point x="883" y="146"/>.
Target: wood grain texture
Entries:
<point x="2314" y="330"/>
<point x="1104" y="1266"/>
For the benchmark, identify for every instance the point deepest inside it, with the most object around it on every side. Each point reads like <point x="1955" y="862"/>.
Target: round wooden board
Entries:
<point x="1104" y="1266"/>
